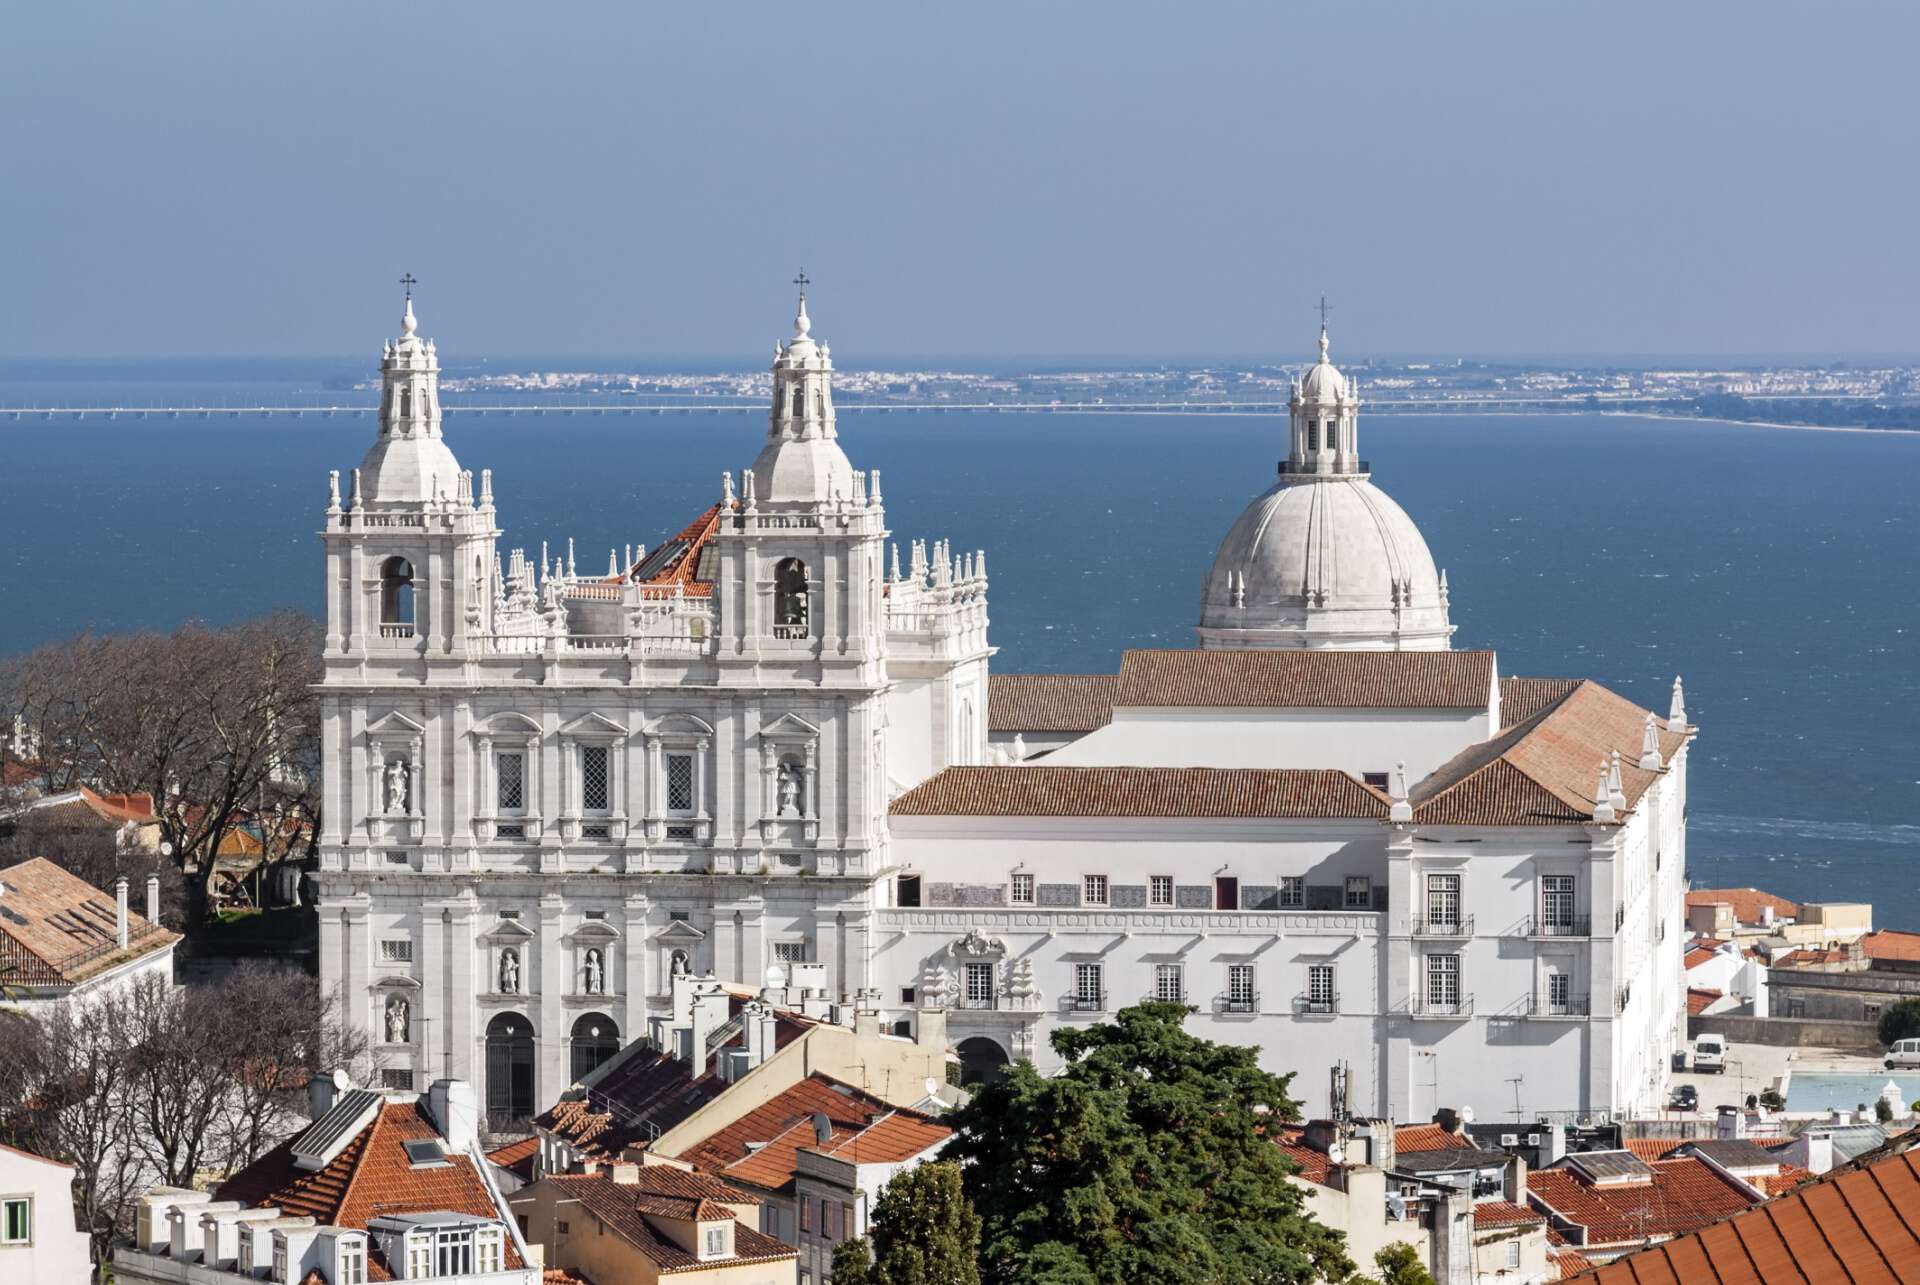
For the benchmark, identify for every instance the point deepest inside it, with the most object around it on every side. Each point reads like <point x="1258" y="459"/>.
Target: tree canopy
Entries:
<point x="1399" y="1264"/>
<point x="1148" y="1158"/>
<point x="923" y="1232"/>
<point x="1900" y="1021"/>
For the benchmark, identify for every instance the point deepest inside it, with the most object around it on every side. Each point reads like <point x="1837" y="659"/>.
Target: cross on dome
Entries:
<point x="801" y="325"/>
<point x="407" y="323"/>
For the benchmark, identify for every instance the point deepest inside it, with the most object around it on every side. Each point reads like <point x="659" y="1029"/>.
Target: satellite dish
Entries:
<point x="1336" y="1154"/>
<point x="166" y="848"/>
<point x="932" y="1086"/>
<point x="1466" y="1115"/>
<point x="776" y="977"/>
<point x="341" y="1080"/>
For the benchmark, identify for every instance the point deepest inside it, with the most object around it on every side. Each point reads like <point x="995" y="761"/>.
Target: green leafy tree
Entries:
<point x="1900" y="1021"/>
<point x="1148" y="1158"/>
<point x="923" y="1232"/>
<point x="1399" y="1264"/>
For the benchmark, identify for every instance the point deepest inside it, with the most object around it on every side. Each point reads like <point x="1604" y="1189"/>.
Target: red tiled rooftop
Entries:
<point x="1020" y="791"/>
<point x="1427" y="1137"/>
<point x="1651" y="1149"/>
<point x="1504" y="1213"/>
<point x="1306" y="679"/>
<point x="1684" y="1195"/>
<point x="1700" y="999"/>
<point x="1855" y="1224"/>
<point x="1312" y="1165"/>
<point x="517" y="1157"/>
<point x="59" y="929"/>
<point x="1569" y="1263"/>
<point x="762" y="1147"/>
<point x="1746" y="903"/>
<point x="1049" y="702"/>
<point x="1891" y="944"/>
<point x="622" y="1208"/>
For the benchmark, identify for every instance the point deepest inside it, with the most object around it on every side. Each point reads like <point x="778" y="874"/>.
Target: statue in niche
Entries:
<point x="678" y="963"/>
<point x="596" y="973"/>
<point x="397" y="1020"/>
<point x="397" y="787"/>
<point x="789" y="790"/>
<point x="509" y="971"/>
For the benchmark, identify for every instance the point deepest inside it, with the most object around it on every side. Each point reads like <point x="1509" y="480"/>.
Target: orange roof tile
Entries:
<point x="1504" y="1213"/>
<point x="1427" y="1137"/>
<point x="1306" y="679"/>
<point x="1700" y="999"/>
<point x="1746" y="903"/>
<point x="58" y="929"/>
<point x="1889" y="943"/>
<point x="1542" y="771"/>
<point x="762" y="1147"/>
<point x="517" y="1157"/>
<point x="1314" y="1166"/>
<point x="898" y="1136"/>
<point x="665" y="1192"/>
<point x="1696" y="956"/>
<point x="1856" y="1223"/>
<point x="1142" y="792"/>
<point x="1653" y="1148"/>
<point x="1049" y="702"/>
<point x="677" y="559"/>
<point x="371" y="1176"/>
<point x="1522" y="698"/>
<point x="1569" y="1263"/>
<point x="1682" y="1196"/>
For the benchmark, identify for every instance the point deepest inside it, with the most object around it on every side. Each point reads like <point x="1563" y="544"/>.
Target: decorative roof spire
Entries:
<point x="1602" y="799"/>
<point x="1650" y="758"/>
<point x="1616" y="788"/>
<point x="407" y="323"/>
<point x="1402" y="806"/>
<point x="801" y="325"/>
<point x="1677" y="711"/>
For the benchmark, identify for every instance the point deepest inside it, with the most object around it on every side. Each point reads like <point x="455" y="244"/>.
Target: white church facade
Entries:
<point x="766" y="741"/>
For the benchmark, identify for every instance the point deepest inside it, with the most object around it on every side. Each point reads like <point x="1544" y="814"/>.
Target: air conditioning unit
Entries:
<point x="1509" y="1139"/>
<point x="1535" y="1139"/>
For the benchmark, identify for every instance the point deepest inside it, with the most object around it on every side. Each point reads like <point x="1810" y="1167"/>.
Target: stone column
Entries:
<point x="355" y="950"/>
<point x="462" y="1033"/>
<point x="432" y="1013"/>
<point x="554" y="979"/>
<point x="634" y="950"/>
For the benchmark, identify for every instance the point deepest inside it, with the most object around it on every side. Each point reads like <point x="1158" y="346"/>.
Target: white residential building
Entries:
<point x="40" y="1238"/>
<point x="548" y="791"/>
<point x="63" y="940"/>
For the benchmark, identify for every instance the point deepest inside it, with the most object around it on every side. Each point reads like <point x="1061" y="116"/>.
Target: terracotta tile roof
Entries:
<point x="1854" y="1224"/>
<point x="1651" y="1149"/>
<point x="1700" y="999"/>
<point x="1522" y="698"/>
<point x="1891" y="944"/>
<point x="58" y="929"/>
<point x="762" y="1147"/>
<point x="1569" y="1263"/>
<point x="1746" y="902"/>
<point x="1504" y="1213"/>
<point x="1789" y="1177"/>
<point x="623" y="1208"/>
<point x="517" y="1157"/>
<point x="1683" y="1195"/>
<point x="1049" y="702"/>
<point x="676" y="560"/>
<point x="1307" y="679"/>
<point x="370" y="1177"/>
<point x="1426" y="1137"/>
<point x="562" y="1276"/>
<point x="1696" y="956"/>
<point x="1542" y="771"/>
<point x="898" y="1136"/>
<point x="1040" y="791"/>
<point x="1312" y="1165"/>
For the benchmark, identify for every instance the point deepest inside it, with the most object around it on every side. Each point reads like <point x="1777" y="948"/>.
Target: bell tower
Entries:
<point x="1323" y="422"/>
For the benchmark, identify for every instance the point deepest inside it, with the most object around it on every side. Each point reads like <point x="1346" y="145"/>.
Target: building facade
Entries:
<point x="548" y="792"/>
<point x="40" y="1238"/>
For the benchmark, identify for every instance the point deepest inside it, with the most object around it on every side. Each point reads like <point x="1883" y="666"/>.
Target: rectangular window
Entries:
<point x="1293" y="891"/>
<point x="353" y="1262"/>
<point x="1313" y="434"/>
<point x="716" y="1242"/>
<point x="1093" y="890"/>
<point x="846" y="1220"/>
<point x="1443" y="902"/>
<point x="1240" y="997"/>
<point x="16" y="1220"/>
<point x="396" y="950"/>
<point x="1378" y="780"/>
<point x="790" y="952"/>
<point x="1022" y="893"/>
<point x="453" y="1252"/>
<point x="489" y="1252"/>
<point x="1160" y="890"/>
<point x="979" y="991"/>
<point x="1513" y="1253"/>
<point x="420" y="1255"/>
<point x="510" y="782"/>
<point x="279" y="1258"/>
<point x="393" y="1077"/>
<point x="594" y="792"/>
<point x="1226" y="894"/>
<point x="906" y="891"/>
<point x="1443" y="982"/>
<point x="1556" y="905"/>
<point x="1169" y="983"/>
<point x="1359" y="892"/>
<point x="680" y="784"/>
<point x="826" y="1220"/>
<point x="1088" y="987"/>
<point x="1559" y="992"/>
<point x="806" y="1214"/>
<point x="1321" y="996"/>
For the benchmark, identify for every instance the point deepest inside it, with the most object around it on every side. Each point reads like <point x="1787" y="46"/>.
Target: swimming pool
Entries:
<point x="1814" y="1091"/>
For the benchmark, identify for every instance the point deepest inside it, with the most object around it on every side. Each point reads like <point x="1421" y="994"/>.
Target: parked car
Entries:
<point x="1904" y="1054"/>
<point x="1710" y="1054"/>
<point x="1685" y="1098"/>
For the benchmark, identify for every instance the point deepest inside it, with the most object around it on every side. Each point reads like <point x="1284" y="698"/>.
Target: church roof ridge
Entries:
<point x="1201" y="792"/>
<point x="1305" y="679"/>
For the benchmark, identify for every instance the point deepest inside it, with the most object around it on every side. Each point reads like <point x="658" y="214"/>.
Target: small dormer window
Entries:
<point x="716" y="1242"/>
<point x="488" y="1251"/>
<point x="351" y="1260"/>
<point x="419" y="1256"/>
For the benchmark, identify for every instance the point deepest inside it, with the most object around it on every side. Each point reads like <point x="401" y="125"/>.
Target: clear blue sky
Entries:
<point x="1173" y="179"/>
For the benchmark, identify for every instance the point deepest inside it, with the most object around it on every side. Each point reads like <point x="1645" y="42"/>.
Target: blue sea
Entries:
<point x="1775" y="569"/>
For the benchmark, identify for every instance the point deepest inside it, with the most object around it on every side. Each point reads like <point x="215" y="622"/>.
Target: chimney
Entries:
<point x="153" y="899"/>
<point x="930" y="1029"/>
<point x="1819" y="1150"/>
<point x="624" y="1173"/>
<point x="710" y="1009"/>
<point x="324" y="1090"/>
<point x="456" y="1112"/>
<point x="761" y="1025"/>
<point x="1732" y="1123"/>
<point x="120" y="912"/>
<point x="1516" y="1181"/>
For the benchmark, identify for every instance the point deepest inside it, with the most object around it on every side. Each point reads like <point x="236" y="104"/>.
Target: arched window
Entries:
<point x="509" y="1069"/>
<point x="981" y="1061"/>
<point x="790" y="599"/>
<point x="1313" y="435"/>
<point x="396" y="598"/>
<point x="595" y="1039"/>
<point x="406" y="402"/>
<point x="793" y="401"/>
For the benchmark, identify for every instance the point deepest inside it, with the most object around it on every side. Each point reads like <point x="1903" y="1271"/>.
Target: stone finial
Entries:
<point x="333" y="492"/>
<point x="1650" y="745"/>
<point x="1602" y="797"/>
<point x="356" y="502"/>
<point x="571" y="572"/>
<point x="873" y="491"/>
<point x="1402" y="808"/>
<point x="1019" y="753"/>
<point x="894" y="577"/>
<point x="980" y="564"/>
<point x="1445" y="593"/>
<point x="1616" y="789"/>
<point x="613" y="563"/>
<point x="544" y="573"/>
<point x="746" y="485"/>
<point x="1677" y="711"/>
<point x="726" y="490"/>
<point x="486" y="488"/>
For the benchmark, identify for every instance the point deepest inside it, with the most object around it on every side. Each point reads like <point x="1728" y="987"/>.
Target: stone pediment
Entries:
<point x="679" y="725"/>
<point x="394" y="723"/>
<point x="395" y="981"/>
<point x="506" y="722"/>
<point x="790" y="727"/>
<point x="679" y="931"/>
<point x="592" y="724"/>
<point x="508" y="930"/>
<point x="596" y="930"/>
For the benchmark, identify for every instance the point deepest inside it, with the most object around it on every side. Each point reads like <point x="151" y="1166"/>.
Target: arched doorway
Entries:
<point x="509" y="1068"/>
<point x="595" y="1039"/>
<point x="981" y="1061"/>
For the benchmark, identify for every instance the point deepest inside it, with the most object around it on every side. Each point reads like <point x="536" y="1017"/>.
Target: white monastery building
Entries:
<point x="772" y="739"/>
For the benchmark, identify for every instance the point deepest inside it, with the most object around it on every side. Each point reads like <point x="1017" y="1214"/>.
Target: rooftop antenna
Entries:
<point x="1516" y="1081"/>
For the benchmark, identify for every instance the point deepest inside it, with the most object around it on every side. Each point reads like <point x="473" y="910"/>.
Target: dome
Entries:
<point x="409" y="469"/>
<point x="1329" y="562"/>
<point x="802" y="472"/>
<point x="1323" y="382"/>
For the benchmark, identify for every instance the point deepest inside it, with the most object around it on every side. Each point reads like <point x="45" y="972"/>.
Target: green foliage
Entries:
<point x="1883" y="1111"/>
<point x="923" y="1233"/>
<point x="1900" y="1021"/>
<point x="1147" y="1159"/>
<point x="1772" y="1101"/>
<point x="1399" y="1264"/>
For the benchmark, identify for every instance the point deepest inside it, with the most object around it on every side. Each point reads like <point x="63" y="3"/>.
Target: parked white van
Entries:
<point x="1710" y="1053"/>
<point x="1904" y="1054"/>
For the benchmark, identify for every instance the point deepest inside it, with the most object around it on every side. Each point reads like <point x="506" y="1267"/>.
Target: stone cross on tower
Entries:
<point x="409" y="281"/>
